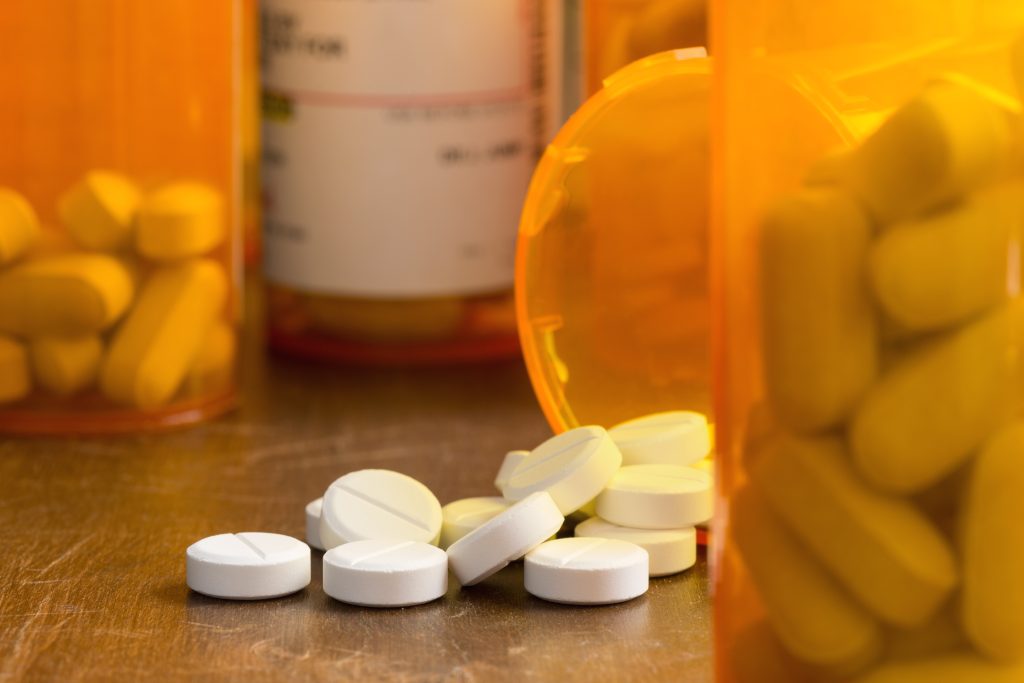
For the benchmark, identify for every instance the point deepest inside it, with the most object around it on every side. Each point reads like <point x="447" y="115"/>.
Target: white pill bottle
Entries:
<point x="399" y="137"/>
<point x="867" y="341"/>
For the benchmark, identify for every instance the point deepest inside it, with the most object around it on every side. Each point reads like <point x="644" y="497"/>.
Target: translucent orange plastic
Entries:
<point x="830" y="119"/>
<point x="611" y="290"/>
<point x="619" y="32"/>
<point x="149" y="90"/>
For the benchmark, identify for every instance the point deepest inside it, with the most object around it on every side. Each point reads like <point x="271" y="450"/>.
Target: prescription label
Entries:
<point x="399" y="139"/>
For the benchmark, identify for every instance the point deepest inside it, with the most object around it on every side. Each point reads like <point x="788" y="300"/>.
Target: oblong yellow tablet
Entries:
<point x="992" y="532"/>
<point x="64" y="294"/>
<point x="19" y="226"/>
<point x="949" y="266"/>
<point x="820" y="333"/>
<point x="814" y="618"/>
<point x="957" y="667"/>
<point x="880" y="547"/>
<point x="213" y="365"/>
<point x="954" y="137"/>
<point x="99" y="210"/>
<point x="935" y="405"/>
<point x="15" y="381"/>
<point x="180" y="220"/>
<point x="157" y="344"/>
<point x="66" y="365"/>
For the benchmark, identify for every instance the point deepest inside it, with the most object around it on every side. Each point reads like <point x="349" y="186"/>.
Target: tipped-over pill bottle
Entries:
<point x="867" y="216"/>
<point x="399" y="138"/>
<point x="119" y="206"/>
<point x="619" y="32"/>
<point x="611" y="264"/>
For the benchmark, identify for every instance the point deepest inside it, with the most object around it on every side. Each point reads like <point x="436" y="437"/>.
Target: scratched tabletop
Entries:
<point x="94" y="531"/>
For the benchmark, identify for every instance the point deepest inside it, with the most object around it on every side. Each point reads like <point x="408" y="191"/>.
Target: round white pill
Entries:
<point x="462" y="516"/>
<point x="670" y="550"/>
<point x="587" y="571"/>
<point x="678" y="437"/>
<point x="504" y="538"/>
<point x="508" y="466"/>
<point x="379" y="504"/>
<point x="657" y="497"/>
<point x="573" y="467"/>
<point x="247" y="566"/>
<point x="313" y="523"/>
<point x="385" y="573"/>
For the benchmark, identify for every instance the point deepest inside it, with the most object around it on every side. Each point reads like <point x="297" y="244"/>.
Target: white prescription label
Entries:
<point x="399" y="139"/>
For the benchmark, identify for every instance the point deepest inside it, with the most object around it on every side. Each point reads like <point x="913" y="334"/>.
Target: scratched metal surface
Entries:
<point x="93" y="534"/>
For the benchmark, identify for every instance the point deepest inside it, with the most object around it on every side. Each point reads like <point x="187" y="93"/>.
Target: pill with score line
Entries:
<point x="247" y="566"/>
<point x="370" y="504"/>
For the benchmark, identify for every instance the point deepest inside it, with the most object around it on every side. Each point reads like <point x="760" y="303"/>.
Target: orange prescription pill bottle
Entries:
<point x="611" y="267"/>
<point x="119" y="213"/>
<point x="619" y="32"/>
<point x="399" y="140"/>
<point x="867" y="218"/>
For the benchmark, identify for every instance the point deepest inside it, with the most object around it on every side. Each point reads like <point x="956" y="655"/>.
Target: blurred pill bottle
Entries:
<point x="868" y="330"/>
<point x="119" y="213"/>
<point x="611" y="263"/>
<point x="398" y="142"/>
<point x="619" y="32"/>
<point x="250" y="103"/>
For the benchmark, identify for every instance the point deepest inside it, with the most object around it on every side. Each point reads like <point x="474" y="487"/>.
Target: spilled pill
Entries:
<point x="670" y="551"/>
<point x="657" y="497"/>
<point x="313" y="509"/>
<point x="376" y="504"/>
<point x="678" y="437"/>
<point x="247" y="566"/>
<point x="504" y="538"/>
<point x="573" y="467"/>
<point x="462" y="516"/>
<point x="385" y="573"/>
<point x="508" y="466"/>
<point x="586" y="571"/>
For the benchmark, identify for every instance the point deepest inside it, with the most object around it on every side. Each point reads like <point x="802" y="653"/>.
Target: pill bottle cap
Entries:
<point x="611" y="264"/>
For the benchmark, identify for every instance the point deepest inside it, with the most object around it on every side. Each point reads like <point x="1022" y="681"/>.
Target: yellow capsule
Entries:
<point x="937" y="404"/>
<point x="64" y="294"/>
<point x="814" y="618"/>
<point x="153" y="350"/>
<point x="879" y="547"/>
<point x="19" y="226"/>
<point x="99" y="211"/>
<point x="66" y="365"/>
<point x="15" y="381"/>
<point x="992" y="525"/>
<point x="949" y="266"/>
<point x="954" y="137"/>
<point x="1017" y="58"/>
<point x="820" y="333"/>
<point x="958" y="667"/>
<point x="179" y="221"/>
<point x="214" y="363"/>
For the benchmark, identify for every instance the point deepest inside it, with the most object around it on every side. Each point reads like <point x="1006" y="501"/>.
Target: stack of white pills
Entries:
<point x="381" y="529"/>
